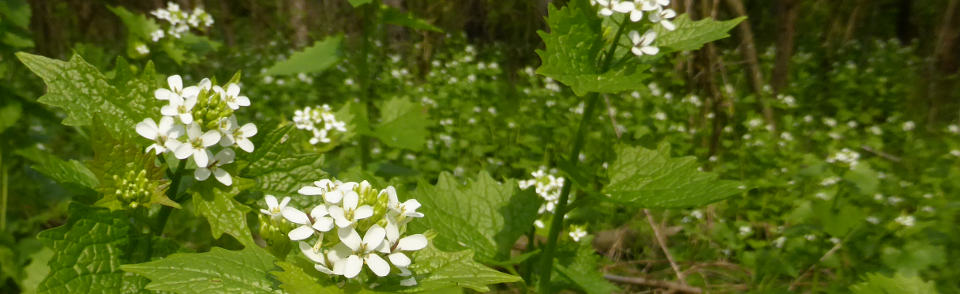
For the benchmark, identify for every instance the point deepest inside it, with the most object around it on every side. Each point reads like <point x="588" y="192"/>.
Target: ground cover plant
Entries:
<point x="580" y="146"/>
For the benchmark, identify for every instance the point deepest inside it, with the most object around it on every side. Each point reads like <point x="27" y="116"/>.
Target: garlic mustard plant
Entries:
<point x="321" y="122"/>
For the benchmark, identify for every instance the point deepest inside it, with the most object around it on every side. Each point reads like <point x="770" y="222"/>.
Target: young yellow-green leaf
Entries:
<point x="439" y="270"/>
<point x="294" y="280"/>
<point x="691" y="35"/>
<point x="573" y="47"/>
<point x="403" y="124"/>
<point x="216" y="271"/>
<point x="64" y="172"/>
<point x="484" y="215"/>
<point x="876" y="283"/>
<point x="225" y="215"/>
<point x="652" y="179"/>
<point x="83" y="92"/>
<point x="88" y="251"/>
<point x="316" y="58"/>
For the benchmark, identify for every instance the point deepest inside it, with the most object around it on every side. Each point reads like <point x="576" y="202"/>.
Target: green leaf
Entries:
<point x="36" y="270"/>
<point x="652" y="179"/>
<point x="16" y="12"/>
<point x="864" y="177"/>
<point x="914" y="257"/>
<point x="117" y="160"/>
<point x="484" y="215"/>
<point x="294" y="280"/>
<point x="9" y="115"/>
<point x="403" y="124"/>
<point x="876" y="283"/>
<point x="88" y="251"/>
<point x="224" y="214"/>
<point x="691" y="35"/>
<point x="356" y="3"/>
<point x="83" y="92"/>
<point x="216" y="271"/>
<point x="573" y="47"/>
<point x="439" y="270"/>
<point x="316" y="58"/>
<point x="64" y="172"/>
<point x="583" y="271"/>
<point x="396" y="17"/>
<point x="138" y="25"/>
<point x="277" y="168"/>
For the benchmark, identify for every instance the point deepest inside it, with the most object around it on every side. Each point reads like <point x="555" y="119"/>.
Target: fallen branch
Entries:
<point x="662" y="241"/>
<point x="653" y="283"/>
<point x="880" y="153"/>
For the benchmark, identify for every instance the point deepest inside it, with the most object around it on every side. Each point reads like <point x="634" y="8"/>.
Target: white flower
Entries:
<point x="356" y="252"/>
<point x="223" y="157"/>
<point x="156" y="35"/>
<point x="317" y="221"/>
<point x="314" y="254"/>
<point x="395" y="245"/>
<point x="180" y="107"/>
<point x="403" y="210"/>
<point x="663" y="17"/>
<point x="348" y="214"/>
<point x="163" y="135"/>
<point x="909" y="126"/>
<point x="641" y="44"/>
<point x="906" y="220"/>
<point x="196" y="145"/>
<point x="648" y="5"/>
<point x="318" y="188"/>
<point x="234" y="135"/>
<point x="608" y="7"/>
<point x="142" y="49"/>
<point x="176" y="89"/>
<point x="577" y="232"/>
<point x="232" y="96"/>
<point x="274" y="209"/>
<point x="636" y="14"/>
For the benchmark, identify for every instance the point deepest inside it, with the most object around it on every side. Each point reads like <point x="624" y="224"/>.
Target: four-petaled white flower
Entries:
<point x="176" y="89"/>
<point x="232" y="96"/>
<point x="163" y="135"/>
<point x="196" y="145"/>
<point x="642" y="44"/>
<point x="663" y="17"/>
<point x="403" y="210"/>
<point x="223" y="157"/>
<point x="317" y="221"/>
<point x="274" y="209"/>
<point x="356" y="252"/>
<point x="237" y="135"/>
<point x="350" y="213"/>
<point x="395" y="245"/>
<point x="181" y="107"/>
<point x="650" y="5"/>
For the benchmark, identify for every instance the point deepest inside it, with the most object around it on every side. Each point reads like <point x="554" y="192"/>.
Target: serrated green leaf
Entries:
<point x="64" y="172"/>
<point x="276" y="167"/>
<point x="396" y="17"/>
<point x="652" y="179"/>
<point x="876" y="283"/>
<point x="573" y="47"/>
<point x="294" y="280"/>
<point x="224" y="214"/>
<point x="403" y="124"/>
<point x="439" y="270"/>
<point x="83" y="92"/>
<point x="88" y="251"/>
<point x="313" y="59"/>
<point x="484" y="215"/>
<point x="113" y="162"/>
<point x="37" y="270"/>
<point x="216" y="271"/>
<point x="691" y="35"/>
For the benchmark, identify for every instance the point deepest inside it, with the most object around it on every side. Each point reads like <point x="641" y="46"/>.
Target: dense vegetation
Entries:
<point x="431" y="146"/>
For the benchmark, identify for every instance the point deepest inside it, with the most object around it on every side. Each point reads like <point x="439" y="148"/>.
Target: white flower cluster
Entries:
<point x="347" y="210"/>
<point x="180" y="21"/>
<point x="204" y="113"/>
<point x="320" y="121"/>
<point x="656" y="13"/>
<point x="548" y="186"/>
<point x="846" y="156"/>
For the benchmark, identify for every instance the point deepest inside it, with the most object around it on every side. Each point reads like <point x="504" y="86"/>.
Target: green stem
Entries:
<point x="556" y="224"/>
<point x="3" y="204"/>
<point x="165" y="211"/>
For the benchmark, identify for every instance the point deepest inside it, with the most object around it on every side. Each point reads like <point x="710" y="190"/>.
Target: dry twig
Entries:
<point x="661" y="240"/>
<point x="654" y="283"/>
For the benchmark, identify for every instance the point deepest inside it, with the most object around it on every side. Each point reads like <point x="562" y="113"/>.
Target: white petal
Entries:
<point x="225" y="156"/>
<point x="412" y="281"/>
<point x="201" y="174"/>
<point x="392" y="231"/>
<point x="363" y="212"/>
<point x="352" y="266"/>
<point x="233" y="90"/>
<point x="668" y="25"/>
<point x="191" y="91"/>
<point x="411" y="205"/>
<point x="295" y="215"/>
<point x="271" y="201"/>
<point x="623" y="7"/>
<point x="374" y="236"/>
<point x="249" y="130"/>
<point x="223" y="176"/>
<point x="391" y="193"/>
<point x="162" y="94"/>
<point x="634" y="37"/>
<point x="283" y="203"/>
<point x="186" y="118"/>
<point x="377" y="265"/>
<point x="307" y="250"/>
<point x="350" y="199"/>
<point x="333" y="196"/>
<point x="147" y="128"/>
<point x="323" y="224"/>
<point x="165" y="125"/>
<point x="175" y="131"/>
<point x="243" y="101"/>
<point x="189" y="102"/>
<point x="319" y="211"/>
<point x="210" y="138"/>
<point x="245" y="144"/>
<point x="183" y="151"/>
<point x="636" y="15"/>
<point x="323" y="269"/>
<point x="350" y="238"/>
<point x="201" y="157"/>
<point x="300" y="233"/>
<point x="204" y="84"/>
<point x="636" y="51"/>
<point x="310" y="190"/>
<point x="412" y="242"/>
<point x="168" y="110"/>
<point x="175" y="82"/>
<point x="337" y="214"/>
<point x="649" y="50"/>
<point x="399" y="259"/>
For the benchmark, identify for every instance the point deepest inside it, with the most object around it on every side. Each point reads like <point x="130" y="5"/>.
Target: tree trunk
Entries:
<point x="297" y="21"/>
<point x="944" y="62"/>
<point x="749" y="50"/>
<point x="905" y="27"/>
<point x="787" y="16"/>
